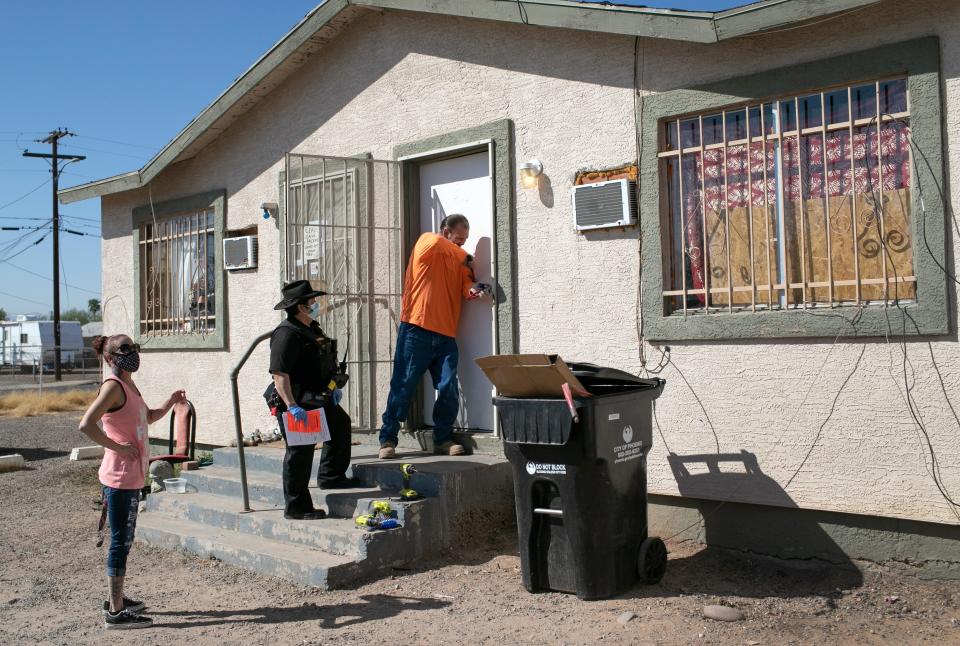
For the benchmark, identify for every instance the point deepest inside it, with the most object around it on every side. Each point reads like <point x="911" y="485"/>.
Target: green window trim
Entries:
<point x="919" y="60"/>
<point x="216" y="200"/>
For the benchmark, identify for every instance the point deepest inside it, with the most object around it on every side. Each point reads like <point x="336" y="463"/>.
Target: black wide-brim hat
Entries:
<point x="296" y="292"/>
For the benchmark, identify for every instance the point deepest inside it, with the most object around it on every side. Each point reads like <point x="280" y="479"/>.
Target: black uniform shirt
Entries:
<point x="309" y="363"/>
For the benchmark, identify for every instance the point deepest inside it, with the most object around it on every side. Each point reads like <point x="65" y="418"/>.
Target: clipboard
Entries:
<point x="315" y="430"/>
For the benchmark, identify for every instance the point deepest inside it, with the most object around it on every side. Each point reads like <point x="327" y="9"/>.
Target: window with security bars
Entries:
<point x="797" y="202"/>
<point x="177" y="274"/>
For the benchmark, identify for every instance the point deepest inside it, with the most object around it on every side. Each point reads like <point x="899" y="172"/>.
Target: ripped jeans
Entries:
<point x="122" y="506"/>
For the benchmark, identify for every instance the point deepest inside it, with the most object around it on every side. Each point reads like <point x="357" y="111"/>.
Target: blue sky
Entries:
<point x="126" y="77"/>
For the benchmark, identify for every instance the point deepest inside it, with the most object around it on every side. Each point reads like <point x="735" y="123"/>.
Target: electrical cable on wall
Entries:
<point x="639" y="60"/>
<point x="907" y="393"/>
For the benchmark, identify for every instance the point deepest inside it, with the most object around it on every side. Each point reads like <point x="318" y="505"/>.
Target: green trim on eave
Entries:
<point x="701" y="27"/>
<point x="145" y="213"/>
<point x="500" y="133"/>
<point x="760" y="17"/>
<point x="920" y="61"/>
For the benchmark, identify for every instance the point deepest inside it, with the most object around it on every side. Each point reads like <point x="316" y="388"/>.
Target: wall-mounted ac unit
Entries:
<point x="240" y="252"/>
<point x="604" y="204"/>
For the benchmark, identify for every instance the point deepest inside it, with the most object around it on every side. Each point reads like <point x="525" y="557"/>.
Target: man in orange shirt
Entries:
<point x="439" y="276"/>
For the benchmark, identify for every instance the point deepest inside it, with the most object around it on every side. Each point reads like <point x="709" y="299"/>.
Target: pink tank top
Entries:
<point x="128" y="424"/>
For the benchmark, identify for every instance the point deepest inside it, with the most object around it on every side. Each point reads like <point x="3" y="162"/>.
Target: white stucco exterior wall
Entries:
<point x="397" y="77"/>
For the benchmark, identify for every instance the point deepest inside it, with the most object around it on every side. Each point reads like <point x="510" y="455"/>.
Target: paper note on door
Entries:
<point x="311" y="242"/>
<point x="314" y="431"/>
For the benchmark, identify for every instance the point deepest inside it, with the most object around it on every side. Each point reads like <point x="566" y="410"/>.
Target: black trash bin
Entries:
<point x="581" y="486"/>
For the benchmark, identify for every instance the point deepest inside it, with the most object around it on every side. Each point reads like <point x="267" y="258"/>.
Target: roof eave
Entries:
<point x="691" y="26"/>
<point x="763" y="16"/>
<point x="302" y="31"/>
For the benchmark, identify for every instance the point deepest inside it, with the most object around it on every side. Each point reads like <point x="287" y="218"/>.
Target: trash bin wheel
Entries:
<point x="652" y="561"/>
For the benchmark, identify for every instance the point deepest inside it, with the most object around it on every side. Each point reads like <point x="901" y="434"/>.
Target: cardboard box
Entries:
<point x="530" y="375"/>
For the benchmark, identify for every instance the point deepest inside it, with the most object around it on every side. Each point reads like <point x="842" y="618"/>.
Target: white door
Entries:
<point x="462" y="185"/>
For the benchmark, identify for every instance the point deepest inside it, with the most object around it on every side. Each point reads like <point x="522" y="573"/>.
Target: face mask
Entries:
<point x="315" y="311"/>
<point x="129" y="362"/>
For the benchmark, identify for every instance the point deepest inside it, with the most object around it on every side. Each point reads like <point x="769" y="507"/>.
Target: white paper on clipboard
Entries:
<point x="315" y="431"/>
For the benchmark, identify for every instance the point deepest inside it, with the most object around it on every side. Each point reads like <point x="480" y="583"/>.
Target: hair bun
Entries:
<point x="99" y="342"/>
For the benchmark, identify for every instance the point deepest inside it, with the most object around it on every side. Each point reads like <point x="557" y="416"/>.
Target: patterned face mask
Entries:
<point x="129" y="362"/>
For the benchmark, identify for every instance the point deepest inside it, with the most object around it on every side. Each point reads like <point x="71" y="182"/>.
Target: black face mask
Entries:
<point x="129" y="362"/>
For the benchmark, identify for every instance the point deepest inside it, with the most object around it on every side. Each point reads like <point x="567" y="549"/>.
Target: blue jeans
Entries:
<point x="122" y="506"/>
<point x="418" y="351"/>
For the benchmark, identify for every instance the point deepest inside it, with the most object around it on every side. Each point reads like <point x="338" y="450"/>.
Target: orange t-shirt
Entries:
<point x="436" y="282"/>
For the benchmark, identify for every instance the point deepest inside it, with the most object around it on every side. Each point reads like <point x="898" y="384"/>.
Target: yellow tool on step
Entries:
<point x="380" y="515"/>
<point x="407" y="494"/>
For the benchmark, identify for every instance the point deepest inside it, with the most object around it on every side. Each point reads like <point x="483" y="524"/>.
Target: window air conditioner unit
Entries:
<point x="604" y="204"/>
<point x="240" y="252"/>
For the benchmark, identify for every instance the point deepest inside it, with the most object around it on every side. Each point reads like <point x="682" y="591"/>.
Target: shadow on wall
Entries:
<point x="709" y="477"/>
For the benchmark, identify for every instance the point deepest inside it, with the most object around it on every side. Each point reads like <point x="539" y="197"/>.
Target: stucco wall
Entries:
<point x="397" y="77"/>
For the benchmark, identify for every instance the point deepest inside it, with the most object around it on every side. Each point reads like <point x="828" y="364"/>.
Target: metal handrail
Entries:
<point x="234" y="374"/>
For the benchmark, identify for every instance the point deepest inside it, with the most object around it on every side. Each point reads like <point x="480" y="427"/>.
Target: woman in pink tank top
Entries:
<point x="117" y="420"/>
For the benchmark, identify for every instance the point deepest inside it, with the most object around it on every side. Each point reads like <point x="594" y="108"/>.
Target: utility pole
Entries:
<point x="55" y="170"/>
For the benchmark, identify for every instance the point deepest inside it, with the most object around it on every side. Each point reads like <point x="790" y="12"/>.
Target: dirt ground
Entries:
<point x="52" y="584"/>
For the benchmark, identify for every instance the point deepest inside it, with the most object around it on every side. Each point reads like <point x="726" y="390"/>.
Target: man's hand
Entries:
<point x="298" y="413"/>
<point x="479" y="290"/>
<point x="336" y="396"/>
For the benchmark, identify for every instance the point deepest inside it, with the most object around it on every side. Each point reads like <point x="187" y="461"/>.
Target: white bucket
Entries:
<point x="175" y="485"/>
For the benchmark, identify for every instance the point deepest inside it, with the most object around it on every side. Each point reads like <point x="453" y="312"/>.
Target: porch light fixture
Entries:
<point x="269" y="208"/>
<point x="529" y="172"/>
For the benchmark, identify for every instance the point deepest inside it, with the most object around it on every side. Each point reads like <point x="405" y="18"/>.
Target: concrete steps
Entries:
<point x="267" y="488"/>
<point x="208" y="520"/>
<point x="339" y="536"/>
<point x="294" y="563"/>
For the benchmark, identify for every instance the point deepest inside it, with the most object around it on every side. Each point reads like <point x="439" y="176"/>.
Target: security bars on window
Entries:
<point x="342" y="232"/>
<point x="796" y="202"/>
<point x="178" y="277"/>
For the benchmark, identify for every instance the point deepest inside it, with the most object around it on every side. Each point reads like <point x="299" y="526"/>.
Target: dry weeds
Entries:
<point x="30" y="404"/>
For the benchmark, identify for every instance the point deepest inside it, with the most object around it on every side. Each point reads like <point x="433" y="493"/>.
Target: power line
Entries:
<point x="78" y="217"/>
<point x="25" y="195"/>
<point x="63" y="282"/>
<point x="10" y="246"/>
<point x="79" y="233"/>
<point x="113" y="141"/>
<point x="25" y="249"/>
<point x="106" y="152"/>
<point x="25" y="299"/>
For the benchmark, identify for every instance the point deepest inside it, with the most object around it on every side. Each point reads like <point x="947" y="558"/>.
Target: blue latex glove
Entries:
<point x="298" y="413"/>
<point x="337" y="397"/>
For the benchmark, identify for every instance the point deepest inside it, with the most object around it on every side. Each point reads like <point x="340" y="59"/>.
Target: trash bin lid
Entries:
<point x="593" y="375"/>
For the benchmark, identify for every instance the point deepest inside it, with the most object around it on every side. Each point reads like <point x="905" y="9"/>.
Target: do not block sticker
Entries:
<point x="534" y="468"/>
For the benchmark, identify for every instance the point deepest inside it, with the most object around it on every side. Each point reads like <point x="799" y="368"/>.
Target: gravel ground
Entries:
<point x="51" y="584"/>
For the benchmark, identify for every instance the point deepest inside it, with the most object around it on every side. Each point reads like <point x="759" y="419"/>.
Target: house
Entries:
<point x="91" y="330"/>
<point x="29" y="342"/>
<point x="791" y="275"/>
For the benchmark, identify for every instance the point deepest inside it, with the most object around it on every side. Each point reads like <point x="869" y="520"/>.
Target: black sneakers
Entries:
<point x="128" y="604"/>
<point x="125" y="620"/>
